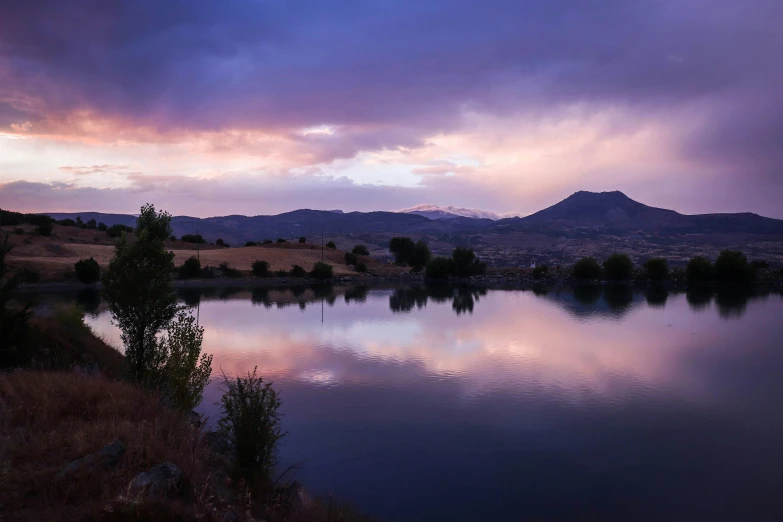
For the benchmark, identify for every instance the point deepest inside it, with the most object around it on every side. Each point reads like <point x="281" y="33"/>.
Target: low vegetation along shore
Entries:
<point x="87" y="433"/>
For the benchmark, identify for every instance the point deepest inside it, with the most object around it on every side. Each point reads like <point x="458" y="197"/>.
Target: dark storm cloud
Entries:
<point x="378" y="66"/>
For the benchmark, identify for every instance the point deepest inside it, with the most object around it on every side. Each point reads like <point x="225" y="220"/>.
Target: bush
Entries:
<point x="45" y="228"/>
<point x="102" y="227"/>
<point x="466" y="263"/>
<point x="117" y="230"/>
<point x="331" y="245"/>
<point x="194" y="238"/>
<point x="297" y="271"/>
<point x="361" y="267"/>
<point x="260" y="268"/>
<point x="360" y="250"/>
<point x="281" y="273"/>
<point x="267" y="241"/>
<point x="656" y="268"/>
<point x="250" y="421"/>
<point x="439" y="268"/>
<point x="228" y="270"/>
<point x="587" y="268"/>
<point x="220" y="242"/>
<point x="351" y="258"/>
<point x="699" y="269"/>
<point x="303" y="239"/>
<point x="618" y="267"/>
<point x="732" y="266"/>
<point x="92" y="224"/>
<point x="281" y="240"/>
<point x="321" y="270"/>
<point x="191" y="268"/>
<point x="250" y="243"/>
<point x="540" y="271"/>
<point x="181" y="370"/>
<point x="87" y="271"/>
<point x="67" y="222"/>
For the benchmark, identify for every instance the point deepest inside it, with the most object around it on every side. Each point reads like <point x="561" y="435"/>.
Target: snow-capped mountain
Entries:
<point x="450" y="212"/>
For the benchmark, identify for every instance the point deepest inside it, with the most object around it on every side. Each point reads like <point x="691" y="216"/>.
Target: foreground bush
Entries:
<point x="699" y="269"/>
<point x="251" y="423"/>
<point x="732" y="267"/>
<point x="87" y="271"/>
<point x="587" y="268"/>
<point x="260" y="268"/>
<point x="656" y="268"/>
<point x="190" y="269"/>
<point x="321" y="271"/>
<point x="618" y="267"/>
<point x="439" y="268"/>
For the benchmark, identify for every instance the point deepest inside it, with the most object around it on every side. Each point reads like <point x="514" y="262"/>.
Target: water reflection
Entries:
<point x="509" y="405"/>
<point x="730" y="301"/>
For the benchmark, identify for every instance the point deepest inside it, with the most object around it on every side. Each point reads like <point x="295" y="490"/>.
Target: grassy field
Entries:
<point x="53" y="257"/>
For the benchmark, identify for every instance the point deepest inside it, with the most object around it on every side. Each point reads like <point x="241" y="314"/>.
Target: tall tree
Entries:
<point x="138" y="287"/>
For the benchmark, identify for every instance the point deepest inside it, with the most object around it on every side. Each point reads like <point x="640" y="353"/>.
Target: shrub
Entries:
<point x="281" y="273"/>
<point x="618" y="267"/>
<point x="281" y="240"/>
<point x="193" y="238"/>
<point x="67" y="222"/>
<point x="267" y="241"/>
<point x="92" y="224"/>
<point x="303" y="239"/>
<point x="181" y="370"/>
<point x="45" y="228"/>
<point x="466" y="263"/>
<point x="699" y="269"/>
<point x="117" y="230"/>
<point x="321" y="270"/>
<point x="102" y="227"/>
<point x="360" y="250"/>
<point x="228" y="270"/>
<point x="732" y="266"/>
<point x="331" y="245"/>
<point x="656" y="268"/>
<point x="351" y="258"/>
<point x="361" y="267"/>
<point x="298" y="271"/>
<point x="587" y="268"/>
<point x="191" y="268"/>
<point x="87" y="271"/>
<point x="220" y="242"/>
<point x="540" y="271"/>
<point x="260" y="268"/>
<point x="439" y="268"/>
<point x="250" y="421"/>
<point x="250" y="243"/>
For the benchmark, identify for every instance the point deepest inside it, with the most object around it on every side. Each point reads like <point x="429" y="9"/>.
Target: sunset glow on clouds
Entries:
<point x="257" y="107"/>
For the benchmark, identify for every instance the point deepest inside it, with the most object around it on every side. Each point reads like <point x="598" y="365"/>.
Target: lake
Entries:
<point x="424" y="404"/>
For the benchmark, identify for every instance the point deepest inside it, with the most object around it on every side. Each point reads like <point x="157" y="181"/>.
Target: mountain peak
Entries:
<point x="449" y="212"/>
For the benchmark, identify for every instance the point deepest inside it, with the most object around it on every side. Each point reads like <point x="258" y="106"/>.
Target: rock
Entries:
<point x="108" y="456"/>
<point x="162" y="480"/>
<point x="217" y="442"/>
<point x="111" y="454"/>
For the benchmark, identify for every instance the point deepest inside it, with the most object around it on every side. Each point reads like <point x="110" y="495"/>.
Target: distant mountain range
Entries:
<point x="581" y="214"/>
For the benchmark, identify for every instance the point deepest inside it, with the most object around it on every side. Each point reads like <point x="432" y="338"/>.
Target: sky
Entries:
<point x="262" y="106"/>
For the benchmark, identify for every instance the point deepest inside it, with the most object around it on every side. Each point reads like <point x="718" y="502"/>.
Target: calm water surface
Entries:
<point x="456" y="404"/>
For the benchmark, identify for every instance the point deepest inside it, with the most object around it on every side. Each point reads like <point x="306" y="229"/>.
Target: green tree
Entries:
<point x="260" y="268"/>
<point x="45" y="228"/>
<point x="138" y="288"/>
<point x="351" y="258"/>
<point x="732" y="266"/>
<point x="220" y="242"/>
<point x="699" y="269"/>
<point x="656" y="269"/>
<point x="587" y="268"/>
<point x="181" y="371"/>
<point x="361" y="267"/>
<point x="421" y="254"/>
<point x="250" y="421"/>
<point x="102" y="227"/>
<point x="92" y="224"/>
<point x="321" y="271"/>
<point x="88" y="271"/>
<point x="466" y="263"/>
<point x="618" y="267"/>
<point x="402" y="248"/>
<point x="439" y="268"/>
<point x="360" y="250"/>
<point x="280" y="240"/>
<point x="190" y="269"/>
<point x="331" y="245"/>
<point x="297" y="271"/>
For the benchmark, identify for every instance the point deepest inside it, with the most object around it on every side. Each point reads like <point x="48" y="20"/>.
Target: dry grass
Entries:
<point x="49" y="419"/>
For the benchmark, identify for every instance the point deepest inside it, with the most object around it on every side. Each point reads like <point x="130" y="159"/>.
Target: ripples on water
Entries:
<point x="465" y="404"/>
